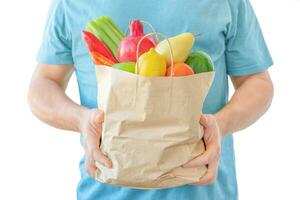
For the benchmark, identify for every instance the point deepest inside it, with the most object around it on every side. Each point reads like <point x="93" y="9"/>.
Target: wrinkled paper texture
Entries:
<point x="151" y="127"/>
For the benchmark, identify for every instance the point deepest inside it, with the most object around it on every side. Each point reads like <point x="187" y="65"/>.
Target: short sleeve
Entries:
<point x="56" y="46"/>
<point x="246" y="50"/>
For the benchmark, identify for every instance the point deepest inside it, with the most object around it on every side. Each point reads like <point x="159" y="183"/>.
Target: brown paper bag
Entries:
<point x="151" y="127"/>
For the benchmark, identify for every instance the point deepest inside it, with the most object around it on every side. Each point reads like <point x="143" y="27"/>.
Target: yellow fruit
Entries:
<point x="152" y="63"/>
<point x="181" y="46"/>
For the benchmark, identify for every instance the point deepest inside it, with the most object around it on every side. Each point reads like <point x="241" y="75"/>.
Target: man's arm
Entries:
<point x="253" y="96"/>
<point x="47" y="98"/>
<point x="49" y="103"/>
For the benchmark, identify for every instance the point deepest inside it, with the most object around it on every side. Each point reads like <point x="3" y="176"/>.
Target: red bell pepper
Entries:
<point x="99" y="59"/>
<point x="96" y="45"/>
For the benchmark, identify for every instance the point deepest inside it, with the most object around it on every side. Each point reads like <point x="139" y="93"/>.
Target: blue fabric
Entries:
<point x="230" y="33"/>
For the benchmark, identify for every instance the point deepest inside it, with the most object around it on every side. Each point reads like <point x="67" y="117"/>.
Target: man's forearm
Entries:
<point x="50" y="104"/>
<point x="249" y="102"/>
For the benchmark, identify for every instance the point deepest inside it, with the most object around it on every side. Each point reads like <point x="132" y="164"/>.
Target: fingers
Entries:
<point x="95" y="155"/>
<point x="101" y="158"/>
<point x="90" y="165"/>
<point x="92" y="138"/>
<point x="212" y="153"/>
<point x="99" y="117"/>
<point x="206" y="120"/>
<point x="211" y="175"/>
<point x="98" y="121"/>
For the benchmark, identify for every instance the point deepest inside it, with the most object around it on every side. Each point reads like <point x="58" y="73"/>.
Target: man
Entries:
<point x="230" y="33"/>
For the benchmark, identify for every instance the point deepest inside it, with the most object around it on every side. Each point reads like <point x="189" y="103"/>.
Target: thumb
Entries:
<point x="99" y="117"/>
<point x="205" y="120"/>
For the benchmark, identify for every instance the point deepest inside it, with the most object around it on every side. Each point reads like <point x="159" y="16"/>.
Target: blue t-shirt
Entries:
<point x="230" y="33"/>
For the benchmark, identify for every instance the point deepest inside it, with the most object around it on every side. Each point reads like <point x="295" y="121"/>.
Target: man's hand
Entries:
<point x="212" y="139"/>
<point x="252" y="98"/>
<point x="48" y="101"/>
<point x="91" y="128"/>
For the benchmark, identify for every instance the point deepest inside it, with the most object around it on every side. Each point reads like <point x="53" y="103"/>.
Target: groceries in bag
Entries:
<point x="151" y="125"/>
<point x="181" y="45"/>
<point x="99" y="52"/>
<point x="125" y="66"/>
<point x="200" y="62"/>
<point x="105" y="29"/>
<point x="152" y="63"/>
<point x="180" y="69"/>
<point x="128" y="46"/>
<point x="122" y="49"/>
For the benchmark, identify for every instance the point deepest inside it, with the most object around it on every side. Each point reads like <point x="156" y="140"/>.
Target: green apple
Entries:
<point x="126" y="66"/>
<point x="200" y="62"/>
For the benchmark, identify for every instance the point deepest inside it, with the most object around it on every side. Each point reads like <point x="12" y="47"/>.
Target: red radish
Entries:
<point x="128" y="46"/>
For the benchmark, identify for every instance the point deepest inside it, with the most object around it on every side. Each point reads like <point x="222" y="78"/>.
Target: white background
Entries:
<point x="40" y="162"/>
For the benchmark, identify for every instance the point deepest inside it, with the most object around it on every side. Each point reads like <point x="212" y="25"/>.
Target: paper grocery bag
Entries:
<point x="151" y="127"/>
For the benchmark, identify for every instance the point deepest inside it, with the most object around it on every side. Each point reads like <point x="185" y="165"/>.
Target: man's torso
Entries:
<point x="208" y="17"/>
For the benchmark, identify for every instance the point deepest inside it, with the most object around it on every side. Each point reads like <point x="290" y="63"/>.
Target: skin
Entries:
<point x="48" y="102"/>
<point x="252" y="98"/>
